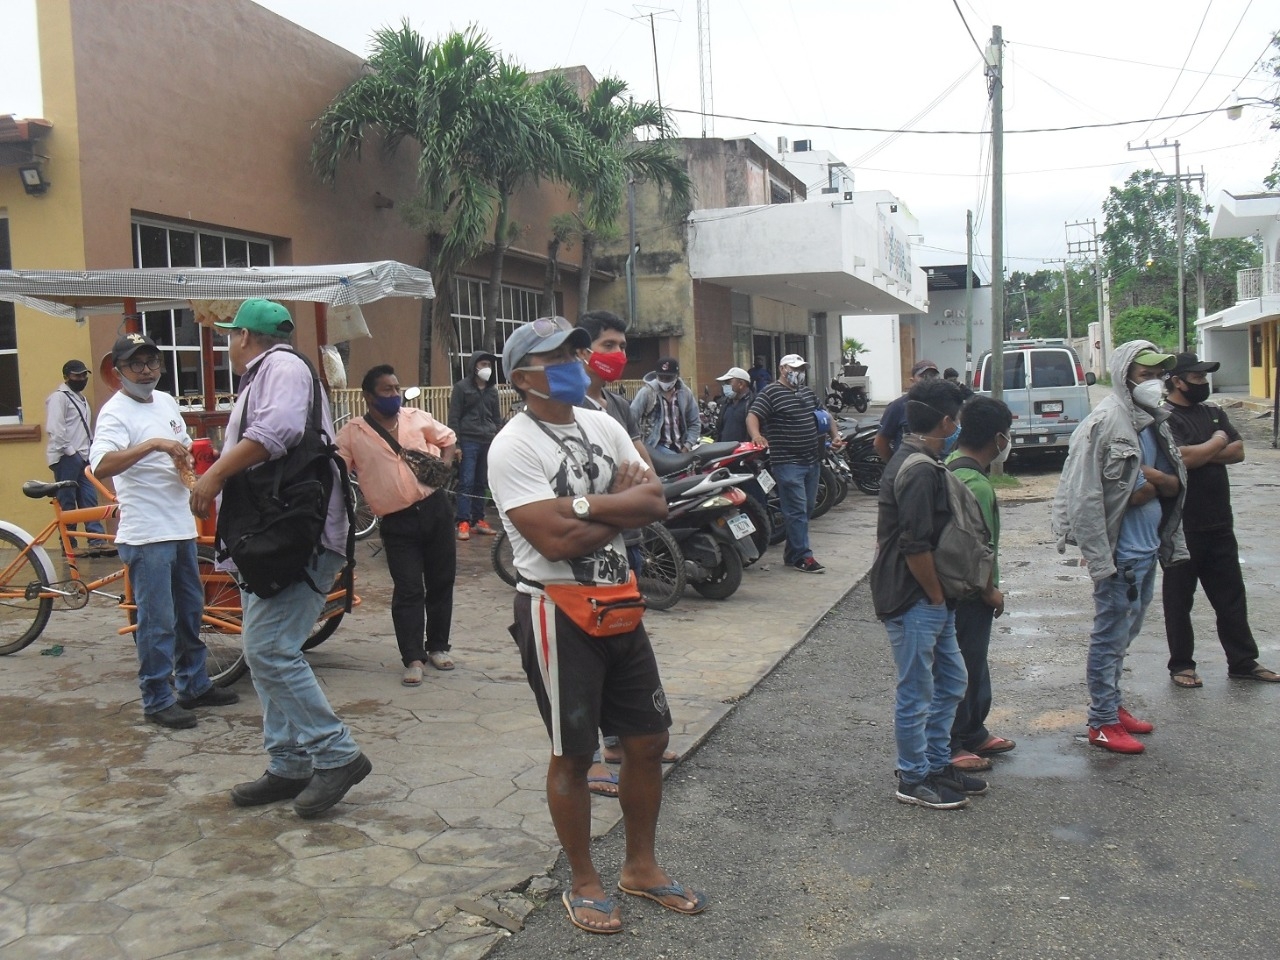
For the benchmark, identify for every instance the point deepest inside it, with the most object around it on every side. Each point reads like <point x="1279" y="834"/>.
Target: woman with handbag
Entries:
<point x="402" y="457"/>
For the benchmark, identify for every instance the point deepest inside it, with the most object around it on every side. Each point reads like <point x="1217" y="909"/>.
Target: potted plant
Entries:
<point x="853" y="347"/>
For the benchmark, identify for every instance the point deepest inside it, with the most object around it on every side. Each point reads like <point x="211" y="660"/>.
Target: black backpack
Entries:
<point x="272" y="516"/>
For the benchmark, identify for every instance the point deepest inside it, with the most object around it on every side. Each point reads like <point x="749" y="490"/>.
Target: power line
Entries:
<point x="1185" y="60"/>
<point x="1221" y="54"/>
<point x="976" y="45"/>
<point x="1100" y="56"/>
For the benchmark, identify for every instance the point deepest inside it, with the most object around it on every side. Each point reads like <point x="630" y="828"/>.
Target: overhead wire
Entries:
<point x="976" y="45"/>
<point x="1221" y="54"/>
<point x="1185" y="60"/>
<point x="928" y="108"/>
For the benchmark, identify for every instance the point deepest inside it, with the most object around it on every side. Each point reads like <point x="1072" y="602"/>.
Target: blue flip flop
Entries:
<point x="674" y="889"/>
<point x="606" y="906"/>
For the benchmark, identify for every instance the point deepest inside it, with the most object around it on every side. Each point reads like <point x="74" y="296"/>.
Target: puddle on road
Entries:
<point x="1081" y="834"/>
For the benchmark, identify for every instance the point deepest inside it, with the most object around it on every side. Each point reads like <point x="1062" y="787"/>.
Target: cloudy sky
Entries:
<point x="818" y="69"/>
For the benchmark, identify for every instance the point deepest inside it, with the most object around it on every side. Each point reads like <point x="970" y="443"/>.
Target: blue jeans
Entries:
<point x="1119" y="604"/>
<point x="931" y="681"/>
<point x="299" y="728"/>
<point x="71" y="467"/>
<point x="797" y="493"/>
<point x="973" y="636"/>
<point x="165" y="580"/>
<point x="473" y="479"/>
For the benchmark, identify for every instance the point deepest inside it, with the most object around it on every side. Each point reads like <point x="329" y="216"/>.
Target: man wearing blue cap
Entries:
<point x="567" y="482"/>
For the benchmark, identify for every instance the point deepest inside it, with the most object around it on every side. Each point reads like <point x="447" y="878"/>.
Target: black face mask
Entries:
<point x="1195" y="392"/>
<point x="77" y="385"/>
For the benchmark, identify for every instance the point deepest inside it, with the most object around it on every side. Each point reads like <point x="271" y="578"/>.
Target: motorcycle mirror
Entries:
<point x="412" y="393"/>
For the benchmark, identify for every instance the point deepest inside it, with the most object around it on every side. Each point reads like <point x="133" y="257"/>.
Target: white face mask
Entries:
<point x="484" y="373"/>
<point x="1003" y="455"/>
<point x="794" y="377"/>
<point x="727" y="389"/>
<point x="666" y="385"/>
<point x="1148" y="393"/>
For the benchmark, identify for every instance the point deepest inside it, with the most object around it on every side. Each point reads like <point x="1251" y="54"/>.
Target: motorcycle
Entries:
<point x="847" y="392"/>
<point x="865" y="465"/>
<point x="705" y="517"/>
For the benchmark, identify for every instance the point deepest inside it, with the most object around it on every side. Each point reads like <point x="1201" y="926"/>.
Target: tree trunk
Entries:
<point x="493" y="296"/>
<point x="584" y="278"/>
<point x="550" y="279"/>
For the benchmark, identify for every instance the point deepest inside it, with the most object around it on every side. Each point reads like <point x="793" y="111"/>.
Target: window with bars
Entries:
<point x="10" y="390"/>
<point x="176" y="332"/>
<point x="518" y="305"/>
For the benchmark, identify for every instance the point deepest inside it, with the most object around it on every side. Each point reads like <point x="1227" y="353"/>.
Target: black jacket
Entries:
<point x="475" y="414"/>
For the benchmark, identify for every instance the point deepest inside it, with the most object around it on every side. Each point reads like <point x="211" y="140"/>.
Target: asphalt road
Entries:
<point x="785" y="815"/>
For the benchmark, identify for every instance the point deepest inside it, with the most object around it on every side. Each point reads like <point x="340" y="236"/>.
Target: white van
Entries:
<point x="1045" y="387"/>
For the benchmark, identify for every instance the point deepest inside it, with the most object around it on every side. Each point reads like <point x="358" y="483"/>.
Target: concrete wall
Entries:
<point x="941" y="338"/>
<point x="879" y="334"/>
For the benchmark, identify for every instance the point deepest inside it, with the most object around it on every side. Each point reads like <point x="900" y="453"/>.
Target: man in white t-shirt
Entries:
<point x="142" y="441"/>
<point x="567" y="483"/>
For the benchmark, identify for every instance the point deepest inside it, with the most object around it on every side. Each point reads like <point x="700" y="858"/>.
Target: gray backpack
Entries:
<point x="963" y="556"/>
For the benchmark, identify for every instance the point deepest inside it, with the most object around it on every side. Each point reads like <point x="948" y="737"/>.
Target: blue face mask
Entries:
<point x="949" y="444"/>
<point x="387" y="406"/>
<point x="566" y="382"/>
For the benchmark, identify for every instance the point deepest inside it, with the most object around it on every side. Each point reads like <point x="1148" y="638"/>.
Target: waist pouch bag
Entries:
<point x="428" y="469"/>
<point x="272" y="516"/>
<point x="606" y="610"/>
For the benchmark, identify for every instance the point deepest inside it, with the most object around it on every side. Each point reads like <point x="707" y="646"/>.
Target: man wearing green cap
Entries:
<point x="1120" y="500"/>
<point x="312" y="757"/>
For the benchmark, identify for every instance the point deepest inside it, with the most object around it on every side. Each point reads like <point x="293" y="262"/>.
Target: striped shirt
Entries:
<point x="787" y="420"/>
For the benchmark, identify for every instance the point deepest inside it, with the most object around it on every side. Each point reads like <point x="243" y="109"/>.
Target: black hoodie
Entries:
<point x="475" y="414"/>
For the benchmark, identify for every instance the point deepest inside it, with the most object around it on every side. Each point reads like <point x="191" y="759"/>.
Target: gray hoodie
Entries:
<point x="1102" y="467"/>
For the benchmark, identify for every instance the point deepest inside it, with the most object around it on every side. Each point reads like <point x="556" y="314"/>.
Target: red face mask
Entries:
<point x="608" y="366"/>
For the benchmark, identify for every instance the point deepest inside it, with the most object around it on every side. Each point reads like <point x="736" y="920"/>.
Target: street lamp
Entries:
<point x="1238" y="103"/>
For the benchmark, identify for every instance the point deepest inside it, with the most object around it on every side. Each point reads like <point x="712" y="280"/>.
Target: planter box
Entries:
<point x="855" y="369"/>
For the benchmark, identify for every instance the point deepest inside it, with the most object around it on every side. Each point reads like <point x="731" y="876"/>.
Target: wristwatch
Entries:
<point x="581" y="508"/>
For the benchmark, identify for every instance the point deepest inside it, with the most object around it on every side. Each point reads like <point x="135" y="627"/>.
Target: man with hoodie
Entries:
<point x="666" y="410"/>
<point x="475" y="416"/>
<point x="1120" y="500"/>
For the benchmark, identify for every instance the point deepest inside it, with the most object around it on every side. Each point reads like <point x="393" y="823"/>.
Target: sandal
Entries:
<point x="1186" y="679"/>
<point x="995" y="744"/>
<point x="606" y="906"/>
<point x="604" y="786"/>
<point x="1257" y="673"/>
<point x="440" y="659"/>
<point x="412" y="675"/>
<point x="673" y="889"/>
<point x="969" y="762"/>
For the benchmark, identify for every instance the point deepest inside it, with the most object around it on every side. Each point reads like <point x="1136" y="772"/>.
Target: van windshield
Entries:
<point x="1049" y="368"/>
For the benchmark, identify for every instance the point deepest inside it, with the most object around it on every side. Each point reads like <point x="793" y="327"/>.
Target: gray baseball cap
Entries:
<point x="541" y="336"/>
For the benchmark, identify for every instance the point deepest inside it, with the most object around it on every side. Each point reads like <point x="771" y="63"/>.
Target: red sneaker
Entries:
<point x="482" y="526"/>
<point x="1132" y="724"/>
<point x="464" y="531"/>
<point x="1114" y="737"/>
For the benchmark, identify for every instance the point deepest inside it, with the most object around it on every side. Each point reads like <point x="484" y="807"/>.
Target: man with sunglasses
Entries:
<point x="567" y="482"/>
<point x="67" y="419"/>
<point x="1120" y="500"/>
<point x="1208" y="444"/>
<point x="142" y="442"/>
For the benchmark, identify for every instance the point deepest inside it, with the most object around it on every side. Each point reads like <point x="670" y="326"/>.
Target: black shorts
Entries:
<point x="584" y="684"/>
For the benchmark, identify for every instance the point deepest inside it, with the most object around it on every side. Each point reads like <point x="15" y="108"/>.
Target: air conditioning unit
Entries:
<point x="803" y="146"/>
<point x="783" y="144"/>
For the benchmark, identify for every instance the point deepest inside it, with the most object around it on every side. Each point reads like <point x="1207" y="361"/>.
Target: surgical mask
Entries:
<point x="484" y="373"/>
<point x="727" y="389"/>
<point x="387" y="406"/>
<point x="608" y="366"/>
<point x="1148" y="393"/>
<point x="1195" y="392"/>
<point x="795" y="377"/>
<point x="79" y="385"/>
<point x="566" y="382"/>
<point x="139" y="391"/>
<point x="1003" y="455"/>
<point x="950" y="442"/>
<point x="666" y="384"/>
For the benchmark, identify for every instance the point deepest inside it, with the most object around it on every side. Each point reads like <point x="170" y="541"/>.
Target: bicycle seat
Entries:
<point x="37" y="490"/>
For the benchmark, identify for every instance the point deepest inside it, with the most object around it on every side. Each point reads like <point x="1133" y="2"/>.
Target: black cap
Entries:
<point x="130" y="344"/>
<point x="74" y="368"/>
<point x="1190" y="363"/>
<point x="668" y="365"/>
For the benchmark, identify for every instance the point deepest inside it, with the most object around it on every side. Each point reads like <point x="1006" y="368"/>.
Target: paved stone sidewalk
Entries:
<point x="118" y="838"/>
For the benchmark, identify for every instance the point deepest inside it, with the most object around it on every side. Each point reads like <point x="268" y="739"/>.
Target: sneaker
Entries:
<point x="174" y="717"/>
<point x="930" y="792"/>
<point x="213" y="697"/>
<point x="1132" y="724"/>
<point x="1114" y="737"/>
<point x="464" y="531"/>
<point x="959" y="781"/>
<point x="482" y="526"/>
<point x="809" y="565"/>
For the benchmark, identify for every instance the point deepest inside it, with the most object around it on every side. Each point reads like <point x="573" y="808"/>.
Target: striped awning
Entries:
<point x="77" y="294"/>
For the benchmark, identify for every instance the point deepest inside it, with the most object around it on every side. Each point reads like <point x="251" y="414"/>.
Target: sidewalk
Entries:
<point x="119" y="839"/>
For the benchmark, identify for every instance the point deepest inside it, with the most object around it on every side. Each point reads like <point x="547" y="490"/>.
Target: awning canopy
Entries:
<point x="77" y="294"/>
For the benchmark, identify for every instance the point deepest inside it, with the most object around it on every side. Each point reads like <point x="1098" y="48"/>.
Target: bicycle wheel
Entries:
<point x="327" y="622"/>
<point x="661" y="575"/>
<point x="225" y="660"/>
<point x="503" y="557"/>
<point x="21" y="620"/>
<point x="366" y="522"/>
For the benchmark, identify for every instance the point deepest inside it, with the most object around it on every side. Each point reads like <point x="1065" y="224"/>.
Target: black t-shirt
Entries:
<point x="907" y="526"/>
<point x="1208" y="505"/>
<point x="790" y="426"/>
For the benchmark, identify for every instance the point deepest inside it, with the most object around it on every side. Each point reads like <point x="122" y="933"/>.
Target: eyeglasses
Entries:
<point x="142" y="366"/>
<point x="1132" y="581"/>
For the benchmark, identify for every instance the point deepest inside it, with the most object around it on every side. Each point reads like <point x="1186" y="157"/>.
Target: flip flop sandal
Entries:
<point x="1257" y="673"/>
<point x="668" y="756"/>
<point x="606" y="906"/>
<point x="995" y="745"/>
<point x="1187" y="679"/>
<point x="970" y="762"/>
<point x="674" y="889"/>
<point x="594" y="784"/>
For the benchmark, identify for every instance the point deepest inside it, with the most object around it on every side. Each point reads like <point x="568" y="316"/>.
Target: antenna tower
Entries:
<point x="704" y="67"/>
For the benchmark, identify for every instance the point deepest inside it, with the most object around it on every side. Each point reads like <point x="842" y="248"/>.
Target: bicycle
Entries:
<point x="28" y="589"/>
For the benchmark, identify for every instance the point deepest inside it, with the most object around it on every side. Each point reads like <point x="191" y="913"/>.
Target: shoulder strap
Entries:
<point x="391" y="441"/>
<point x="965" y="463"/>
<point x="80" y="413"/>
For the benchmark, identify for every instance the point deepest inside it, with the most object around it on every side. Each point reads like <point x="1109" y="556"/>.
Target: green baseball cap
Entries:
<point x="1149" y="358"/>
<point x="261" y="316"/>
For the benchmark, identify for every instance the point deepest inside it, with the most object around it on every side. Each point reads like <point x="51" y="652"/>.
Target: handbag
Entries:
<point x="600" y="610"/>
<point x="428" y="469"/>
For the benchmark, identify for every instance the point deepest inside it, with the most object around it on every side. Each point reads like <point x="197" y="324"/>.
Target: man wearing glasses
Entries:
<point x="67" y="419"/>
<point x="142" y="442"/>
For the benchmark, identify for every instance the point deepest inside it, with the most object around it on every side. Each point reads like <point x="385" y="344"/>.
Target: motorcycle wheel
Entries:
<point x="764" y="526"/>
<point x="826" y="499"/>
<point x="842" y="484"/>
<point x="778" y="528"/>
<point x="726" y="578"/>
<point x="662" y="574"/>
<point x="860" y="404"/>
<point x="835" y="403"/>
<point x="867" y="469"/>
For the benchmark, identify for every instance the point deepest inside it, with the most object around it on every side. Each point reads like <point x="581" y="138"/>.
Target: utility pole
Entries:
<point x="1066" y="292"/>
<point x="968" y="299"/>
<point x="995" y="89"/>
<point x="1084" y="247"/>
